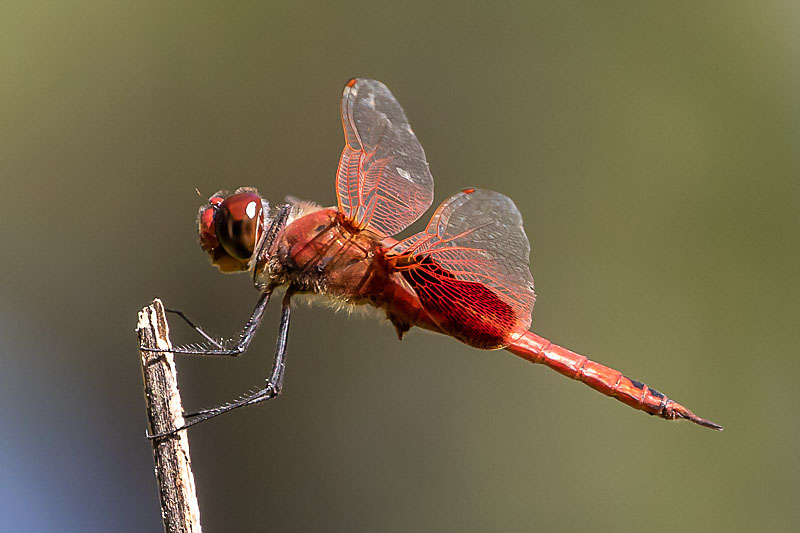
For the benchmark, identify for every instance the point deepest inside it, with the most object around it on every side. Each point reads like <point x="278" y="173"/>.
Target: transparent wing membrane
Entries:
<point x="383" y="180"/>
<point x="470" y="268"/>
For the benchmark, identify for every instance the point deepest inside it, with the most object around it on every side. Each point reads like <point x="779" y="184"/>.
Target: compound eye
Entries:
<point x="237" y="223"/>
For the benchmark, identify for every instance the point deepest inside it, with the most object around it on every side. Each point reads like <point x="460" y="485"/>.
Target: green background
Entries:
<point x="652" y="149"/>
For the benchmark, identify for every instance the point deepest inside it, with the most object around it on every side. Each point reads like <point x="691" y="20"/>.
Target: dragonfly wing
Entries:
<point x="383" y="180"/>
<point x="470" y="269"/>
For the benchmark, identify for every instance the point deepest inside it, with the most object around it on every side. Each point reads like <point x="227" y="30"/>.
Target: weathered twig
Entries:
<point x="173" y="465"/>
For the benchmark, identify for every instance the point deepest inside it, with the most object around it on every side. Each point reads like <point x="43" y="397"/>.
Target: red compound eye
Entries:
<point x="237" y="223"/>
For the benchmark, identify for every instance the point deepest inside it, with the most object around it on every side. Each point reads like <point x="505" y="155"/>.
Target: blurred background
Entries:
<point x="653" y="153"/>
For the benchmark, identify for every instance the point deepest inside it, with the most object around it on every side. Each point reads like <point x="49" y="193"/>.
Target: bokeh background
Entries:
<point x="652" y="150"/>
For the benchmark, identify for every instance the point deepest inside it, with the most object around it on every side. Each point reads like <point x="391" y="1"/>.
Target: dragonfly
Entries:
<point x="466" y="275"/>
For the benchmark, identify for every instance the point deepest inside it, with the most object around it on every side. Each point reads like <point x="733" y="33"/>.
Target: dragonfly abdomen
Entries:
<point x="603" y="379"/>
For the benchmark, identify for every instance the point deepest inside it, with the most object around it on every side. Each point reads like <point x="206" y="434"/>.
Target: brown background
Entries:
<point x="652" y="150"/>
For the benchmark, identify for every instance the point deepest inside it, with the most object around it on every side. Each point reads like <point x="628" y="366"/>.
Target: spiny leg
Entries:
<point x="272" y="389"/>
<point x="274" y="382"/>
<point x="195" y="327"/>
<point x="216" y="348"/>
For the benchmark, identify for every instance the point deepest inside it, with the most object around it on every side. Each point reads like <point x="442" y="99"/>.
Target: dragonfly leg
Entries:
<point x="271" y="390"/>
<point x="225" y="348"/>
<point x="200" y="331"/>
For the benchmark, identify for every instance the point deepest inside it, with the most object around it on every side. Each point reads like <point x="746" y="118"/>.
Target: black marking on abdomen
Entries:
<point x="656" y="394"/>
<point x="638" y="384"/>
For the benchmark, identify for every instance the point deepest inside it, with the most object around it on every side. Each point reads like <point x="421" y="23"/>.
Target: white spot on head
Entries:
<point x="251" y="209"/>
<point x="404" y="173"/>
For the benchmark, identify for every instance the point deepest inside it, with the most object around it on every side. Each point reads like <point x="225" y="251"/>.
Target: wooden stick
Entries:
<point x="173" y="465"/>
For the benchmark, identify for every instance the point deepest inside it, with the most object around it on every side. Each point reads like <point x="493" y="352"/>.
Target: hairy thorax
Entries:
<point x="322" y="253"/>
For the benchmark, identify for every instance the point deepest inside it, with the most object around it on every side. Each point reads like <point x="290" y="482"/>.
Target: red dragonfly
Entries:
<point x="466" y="275"/>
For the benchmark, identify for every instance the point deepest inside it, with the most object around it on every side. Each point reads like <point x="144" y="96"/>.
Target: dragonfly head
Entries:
<point x="230" y="225"/>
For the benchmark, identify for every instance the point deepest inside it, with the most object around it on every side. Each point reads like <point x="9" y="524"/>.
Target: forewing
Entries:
<point x="383" y="180"/>
<point x="470" y="268"/>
